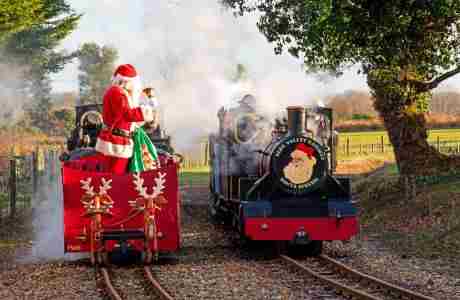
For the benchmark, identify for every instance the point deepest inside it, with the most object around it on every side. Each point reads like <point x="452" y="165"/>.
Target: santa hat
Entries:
<point x="125" y="72"/>
<point x="305" y="149"/>
<point x="128" y="73"/>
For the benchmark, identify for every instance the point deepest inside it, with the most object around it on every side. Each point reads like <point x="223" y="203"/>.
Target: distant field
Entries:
<point x="194" y="177"/>
<point x="368" y="137"/>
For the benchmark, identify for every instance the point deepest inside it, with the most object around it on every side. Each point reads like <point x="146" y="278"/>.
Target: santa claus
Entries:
<point x="121" y="112"/>
<point x="300" y="168"/>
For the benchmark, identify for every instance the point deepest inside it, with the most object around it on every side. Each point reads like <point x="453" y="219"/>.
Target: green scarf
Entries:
<point x="145" y="156"/>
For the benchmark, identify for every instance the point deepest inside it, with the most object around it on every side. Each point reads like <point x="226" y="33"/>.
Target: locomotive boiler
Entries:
<point x="276" y="182"/>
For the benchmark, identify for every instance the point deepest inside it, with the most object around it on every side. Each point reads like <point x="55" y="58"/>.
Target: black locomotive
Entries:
<point x="276" y="181"/>
<point x="88" y="123"/>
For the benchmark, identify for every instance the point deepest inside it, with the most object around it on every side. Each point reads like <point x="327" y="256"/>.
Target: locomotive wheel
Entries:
<point x="104" y="258"/>
<point x="314" y="248"/>
<point x="148" y="258"/>
<point x="216" y="215"/>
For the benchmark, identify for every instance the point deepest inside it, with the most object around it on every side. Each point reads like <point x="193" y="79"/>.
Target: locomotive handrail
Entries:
<point x="91" y="112"/>
<point x="257" y="184"/>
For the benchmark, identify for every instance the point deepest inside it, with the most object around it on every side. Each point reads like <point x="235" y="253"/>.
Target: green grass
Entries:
<point x="198" y="176"/>
<point x="3" y="200"/>
<point x="420" y="228"/>
<point x="369" y="137"/>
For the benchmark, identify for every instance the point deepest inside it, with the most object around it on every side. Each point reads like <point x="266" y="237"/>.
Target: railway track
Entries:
<point x="350" y="282"/>
<point x="155" y="285"/>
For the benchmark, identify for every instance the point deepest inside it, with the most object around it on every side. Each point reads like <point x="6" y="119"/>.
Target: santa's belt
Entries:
<point x="119" y="132"/>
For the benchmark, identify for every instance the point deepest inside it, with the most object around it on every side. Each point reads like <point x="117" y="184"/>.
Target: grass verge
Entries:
<point x="194" y="177"/>
<point x="427" y="227"/>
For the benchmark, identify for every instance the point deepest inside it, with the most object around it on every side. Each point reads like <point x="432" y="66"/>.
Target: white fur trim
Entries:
<point x="116" y="150"/>
<point x="148" y="112"/>
<point x="133" y="100"/>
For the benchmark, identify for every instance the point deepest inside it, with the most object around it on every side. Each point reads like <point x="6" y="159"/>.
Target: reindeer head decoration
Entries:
<point x="155" y="199"/>
<point x="94" y="202"/>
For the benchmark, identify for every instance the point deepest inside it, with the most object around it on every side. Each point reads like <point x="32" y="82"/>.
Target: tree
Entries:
<point x="17" y="15"/>
<point x="96" y="66"/>
<point x="64" y="121"/>
<point x="35" y="48"/>
<point x="405" y="48"/>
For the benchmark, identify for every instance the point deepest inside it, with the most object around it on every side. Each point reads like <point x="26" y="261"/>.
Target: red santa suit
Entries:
<point x="120" y="113"/>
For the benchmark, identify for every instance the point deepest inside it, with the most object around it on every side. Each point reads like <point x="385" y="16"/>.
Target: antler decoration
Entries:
<point x="156" y="196"/>
<point x="86" y="185"/>
<point x="94" y="202"/>
<point x="105" y="186"/>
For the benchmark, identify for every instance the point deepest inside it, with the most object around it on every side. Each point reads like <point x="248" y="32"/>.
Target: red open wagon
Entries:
<point x="104" y="212"/>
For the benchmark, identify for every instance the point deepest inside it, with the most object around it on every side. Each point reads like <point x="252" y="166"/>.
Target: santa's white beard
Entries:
<point x="299" y="172"/>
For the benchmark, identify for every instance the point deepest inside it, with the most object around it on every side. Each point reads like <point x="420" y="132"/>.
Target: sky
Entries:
<point x="188" y="50"/>
<point x="138" y="31"/>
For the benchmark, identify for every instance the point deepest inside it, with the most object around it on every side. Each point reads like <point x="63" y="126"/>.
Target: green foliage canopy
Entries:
<point x="16" y="15"/>
<point x="419" y="36"/>
<point x="34" y="49"/>
<point x="96" y="68"/>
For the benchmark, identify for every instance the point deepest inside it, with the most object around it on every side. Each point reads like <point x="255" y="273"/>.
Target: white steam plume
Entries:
<point x="12" y="100"/>
<point x="189" y="50"/>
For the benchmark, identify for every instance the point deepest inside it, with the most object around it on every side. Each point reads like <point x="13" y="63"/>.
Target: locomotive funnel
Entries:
<point x="296" y="120"/>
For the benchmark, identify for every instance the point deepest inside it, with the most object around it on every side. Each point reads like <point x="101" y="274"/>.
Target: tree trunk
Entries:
<point x="407" y="127"/>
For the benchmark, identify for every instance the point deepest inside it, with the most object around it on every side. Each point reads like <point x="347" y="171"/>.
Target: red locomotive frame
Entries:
<point x="101" y="209"/>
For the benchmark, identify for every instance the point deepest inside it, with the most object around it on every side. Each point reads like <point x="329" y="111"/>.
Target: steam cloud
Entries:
<point x="11" y="78"/>
<point x="189" y="50"/>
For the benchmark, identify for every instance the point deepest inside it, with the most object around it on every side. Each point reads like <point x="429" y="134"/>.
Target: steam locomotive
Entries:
<point x="275" y="182"/>
<point x="117" y="216"/>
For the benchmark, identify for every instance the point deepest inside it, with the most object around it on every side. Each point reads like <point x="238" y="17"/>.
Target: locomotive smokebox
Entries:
<point x="296" y="120"/>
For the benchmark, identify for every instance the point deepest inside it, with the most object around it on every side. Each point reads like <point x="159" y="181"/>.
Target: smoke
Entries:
<point x="189" y="51"/>
<point x="11" y="80"/>
<point x="47" y="204"/>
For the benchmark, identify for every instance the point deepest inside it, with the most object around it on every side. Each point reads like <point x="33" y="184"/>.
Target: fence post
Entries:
<point x="12" y="187"/>
<point x="348" y="146"/>
<point x="383" y="145"/>
<point x="52" y="164"/>
<point x="34" y="170"/>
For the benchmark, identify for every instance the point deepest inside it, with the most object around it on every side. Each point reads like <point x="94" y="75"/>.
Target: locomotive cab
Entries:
<point x="88" y="123"/>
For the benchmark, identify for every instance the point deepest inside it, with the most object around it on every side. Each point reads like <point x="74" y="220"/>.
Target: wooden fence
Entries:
<point x="349" y="148"/>
<point x="20" y="178"/>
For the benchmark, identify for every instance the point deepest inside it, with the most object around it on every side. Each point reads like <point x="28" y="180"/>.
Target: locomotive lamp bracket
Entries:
<point x="301" y="237"/>
<point x="339" y="218"/>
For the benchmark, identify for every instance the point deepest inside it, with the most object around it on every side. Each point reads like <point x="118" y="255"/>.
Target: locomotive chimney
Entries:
<point x="296" y="120"/>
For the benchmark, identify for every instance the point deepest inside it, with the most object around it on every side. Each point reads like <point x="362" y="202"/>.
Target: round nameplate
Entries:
<point x="300" y="164"/>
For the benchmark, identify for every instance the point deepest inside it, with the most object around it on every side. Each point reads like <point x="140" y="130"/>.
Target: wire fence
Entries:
<point x="347" y="147"/>
<point x="20" y="177"/>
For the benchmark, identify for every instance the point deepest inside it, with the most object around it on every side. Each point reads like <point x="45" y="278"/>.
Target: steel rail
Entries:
<point x="156" y="285"/>
<point x="338" y="285"/>
<point x="389" y="286"/>
<point x="109" y="286"/>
